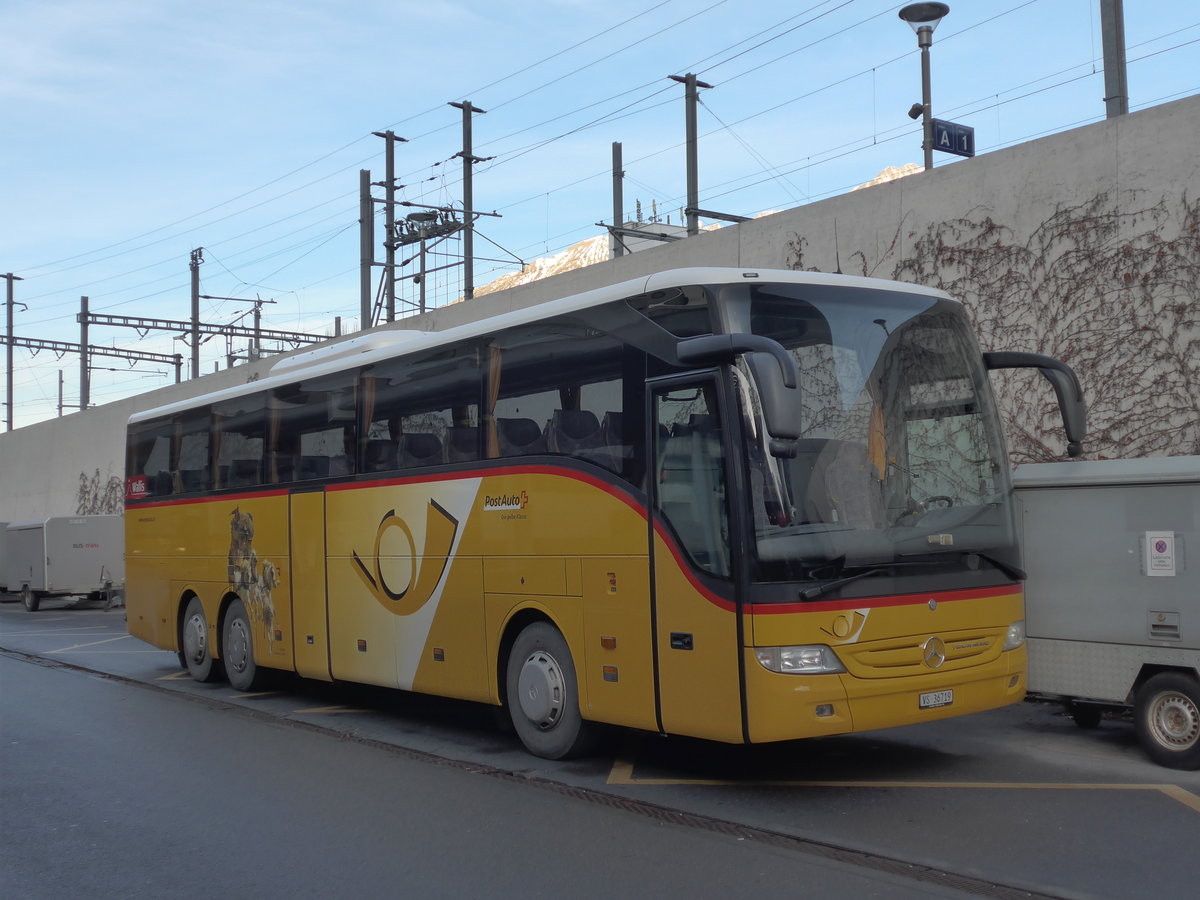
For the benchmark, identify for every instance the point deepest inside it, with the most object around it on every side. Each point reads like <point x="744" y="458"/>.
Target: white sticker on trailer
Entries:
<point x="1159" y="553"/>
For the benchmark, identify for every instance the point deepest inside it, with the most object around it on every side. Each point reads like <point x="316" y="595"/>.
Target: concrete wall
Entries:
<point x="1084" y="245"/>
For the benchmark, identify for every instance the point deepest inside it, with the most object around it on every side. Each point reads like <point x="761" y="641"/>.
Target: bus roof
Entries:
<point x="376" y="346"/>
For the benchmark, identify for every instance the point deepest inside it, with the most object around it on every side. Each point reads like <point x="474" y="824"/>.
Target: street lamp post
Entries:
<point x="924" y="17"/>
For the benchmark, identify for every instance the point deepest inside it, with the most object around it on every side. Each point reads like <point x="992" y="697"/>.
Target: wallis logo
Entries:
<point x="404" y="594"/>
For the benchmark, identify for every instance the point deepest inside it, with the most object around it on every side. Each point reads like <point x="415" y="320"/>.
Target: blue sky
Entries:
<point x="137" y="130"/>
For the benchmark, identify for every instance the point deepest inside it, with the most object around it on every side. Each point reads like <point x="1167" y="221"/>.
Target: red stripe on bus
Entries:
<point x="769" y="609"/>
<point x="684" y="566"/>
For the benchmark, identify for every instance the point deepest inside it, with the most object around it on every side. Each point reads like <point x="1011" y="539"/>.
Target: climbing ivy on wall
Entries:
<point x="99" y="496"/>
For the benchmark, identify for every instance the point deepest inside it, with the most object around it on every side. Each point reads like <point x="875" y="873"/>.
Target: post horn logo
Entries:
<point x="424" y="572"/>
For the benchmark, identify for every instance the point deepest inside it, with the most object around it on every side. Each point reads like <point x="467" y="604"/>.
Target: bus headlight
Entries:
<point x="1016" y="635"/>
<point x="812" y="659"/>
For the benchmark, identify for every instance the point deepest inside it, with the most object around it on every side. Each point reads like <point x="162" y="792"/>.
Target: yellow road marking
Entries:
<point x="321" y="710"/>
<point x="622" y="774"/>
<point x="175" y="676"/>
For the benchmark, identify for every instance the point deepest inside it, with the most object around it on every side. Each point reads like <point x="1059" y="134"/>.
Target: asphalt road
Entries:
<point x="998" y="804"/>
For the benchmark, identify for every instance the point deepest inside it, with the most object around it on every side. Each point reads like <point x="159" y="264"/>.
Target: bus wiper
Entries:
<point x="821" y="590"/>
<point x="1013" y="572"/>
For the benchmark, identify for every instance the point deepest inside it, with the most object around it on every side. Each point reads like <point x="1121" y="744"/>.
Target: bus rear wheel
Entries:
<point x="1167" y="714"/>
<point x="543" y="695"/>
<point x="197" y="655"/>
<point x="237" y="648"/>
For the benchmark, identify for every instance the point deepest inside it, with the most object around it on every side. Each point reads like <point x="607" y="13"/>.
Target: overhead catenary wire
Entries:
<point x="739" y="50"/>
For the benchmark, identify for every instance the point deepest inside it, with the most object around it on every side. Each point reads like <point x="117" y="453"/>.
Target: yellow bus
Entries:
<point x="739" y="505"/>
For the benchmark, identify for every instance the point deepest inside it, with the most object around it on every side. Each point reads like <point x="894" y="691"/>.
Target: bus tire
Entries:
<point x="31" y="599"/>
<point x="1167" y="715"/>
<point x="237" y="648"/>
<point x="197" y="655"/>
<point x="543" y="695"/>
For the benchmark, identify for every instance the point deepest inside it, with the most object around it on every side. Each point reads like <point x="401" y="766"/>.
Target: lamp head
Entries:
<point x="924" y="15"/>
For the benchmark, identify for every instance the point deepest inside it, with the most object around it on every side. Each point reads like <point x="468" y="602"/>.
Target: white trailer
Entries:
<point x="3" y="557"/>
<point x="1112" y="600"/>
<point x="66" y="556"/>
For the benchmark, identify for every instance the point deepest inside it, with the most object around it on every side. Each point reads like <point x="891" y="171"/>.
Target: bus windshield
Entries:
<point x="900" y="460"/>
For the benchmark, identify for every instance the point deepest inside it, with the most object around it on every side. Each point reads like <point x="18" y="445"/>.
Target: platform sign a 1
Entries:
<point x="950" y="137"/>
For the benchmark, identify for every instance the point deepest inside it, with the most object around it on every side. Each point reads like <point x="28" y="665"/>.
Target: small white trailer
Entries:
<point x="66" y="556"/>
<point x="1112" y="600"/>
<point x="3" y="557"/>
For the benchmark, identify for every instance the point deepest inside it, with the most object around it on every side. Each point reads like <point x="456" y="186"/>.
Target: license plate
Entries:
<point x="934" y="699"/>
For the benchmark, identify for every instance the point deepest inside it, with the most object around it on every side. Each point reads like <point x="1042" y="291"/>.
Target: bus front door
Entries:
<point x="699" y="684"/>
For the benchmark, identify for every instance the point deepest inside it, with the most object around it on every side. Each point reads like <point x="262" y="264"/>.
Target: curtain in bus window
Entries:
<point x="493" y="439"/>
<point x="276" y="473"/>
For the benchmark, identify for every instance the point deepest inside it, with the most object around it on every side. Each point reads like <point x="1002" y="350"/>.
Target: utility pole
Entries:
<point x="469" y="159"/>
<point x="366" y="247"/>
<point x="389" y="211"/>
<point x="256" y="334"/>
<point x="618" y="174"/>
<point x="691" y="98"/>
<point x="1116" y="85"/>
<point x="9" y="303"/>
<point x="194" y="265"/>
<point x="85" y="360"/>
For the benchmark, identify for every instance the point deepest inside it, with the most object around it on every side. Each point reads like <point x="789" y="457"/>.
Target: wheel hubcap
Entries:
<point x="540" y="690"/>
<point x="195" y="639"/>
<point x="236" y="652"/>
<point x="1176" y="721"/>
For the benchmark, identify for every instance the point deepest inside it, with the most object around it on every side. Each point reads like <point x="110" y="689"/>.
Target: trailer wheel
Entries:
<point x="197" y="655"/>
<point x="31" y="598"/>
<point x="1086" y="715"/>
<point x="237" y="648"/>
<point x="1167" y="714"/>
<point x="543" y="695"/>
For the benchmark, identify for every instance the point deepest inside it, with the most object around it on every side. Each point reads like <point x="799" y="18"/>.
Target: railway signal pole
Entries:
<point x="9" y="303"/>
<point x="469" y="159"/>
<point x="691" y="96"/>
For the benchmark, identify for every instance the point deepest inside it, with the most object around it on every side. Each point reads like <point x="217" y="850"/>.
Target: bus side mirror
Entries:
<point x="1066" y="388"/>
<point x="774" y="373"/>
<point x="719" y="348"/>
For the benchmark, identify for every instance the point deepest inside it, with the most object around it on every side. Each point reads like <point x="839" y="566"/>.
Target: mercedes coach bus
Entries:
<point x="739" y="505"/>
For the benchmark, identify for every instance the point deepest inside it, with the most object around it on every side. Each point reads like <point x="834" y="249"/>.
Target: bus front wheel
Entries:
<point x="197" y="655"/>
<point x="237" y="648"/>
<point x="543" y="694"/>
<point x="1167" y="713"/>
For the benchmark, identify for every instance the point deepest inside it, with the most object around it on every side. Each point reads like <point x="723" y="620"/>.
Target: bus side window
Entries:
<point x="421" y="411"/>
<point x="560" y="388"/>
<point x="238" y="438"/>
<point x="311" y="429"/>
